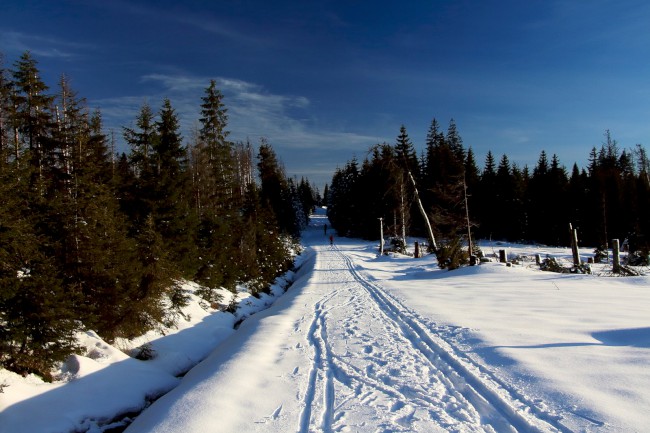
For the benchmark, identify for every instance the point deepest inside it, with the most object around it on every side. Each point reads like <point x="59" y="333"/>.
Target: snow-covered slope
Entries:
<point x="95" y="392"/>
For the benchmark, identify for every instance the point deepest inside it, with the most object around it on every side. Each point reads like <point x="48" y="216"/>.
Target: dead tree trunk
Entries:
<point x="574" y="245"/>
<point x="424" y="214"/>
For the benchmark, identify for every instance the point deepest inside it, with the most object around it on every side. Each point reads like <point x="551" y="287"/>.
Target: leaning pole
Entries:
<point x="424" y="214"/>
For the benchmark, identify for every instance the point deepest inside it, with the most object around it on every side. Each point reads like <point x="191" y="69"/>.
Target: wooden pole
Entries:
<point x="381" y="236"/>
<point x="424" y="214"/>
<point x="469" y="231"/>
<point x="574" y="245"/>
<point x="617" y="258"/>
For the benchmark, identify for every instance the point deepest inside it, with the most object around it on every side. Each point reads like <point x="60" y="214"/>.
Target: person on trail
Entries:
<point x="331" y="240"/>
<point x="325" y="229"/>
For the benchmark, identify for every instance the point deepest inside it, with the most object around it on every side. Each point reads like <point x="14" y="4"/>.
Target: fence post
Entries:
<point x="503" y="258"/>
<point x="574" y="245"/>
<point x="381" y="236"/>
<point x="617" y="258"/>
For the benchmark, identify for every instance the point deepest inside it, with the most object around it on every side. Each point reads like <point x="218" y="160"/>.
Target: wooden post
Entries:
<point x="574" y="245"/>
<point x="503" y="258"/>
<point x="417" y="250"/>
<point x="469" y="231"/>
<point x="381" y="236"/>
<point x="617" y="258"/>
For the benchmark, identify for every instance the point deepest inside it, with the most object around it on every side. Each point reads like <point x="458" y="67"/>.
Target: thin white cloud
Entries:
<point x="40" y="46"/>
<point x="176" y="83"/>
<point x="253" y="111"/>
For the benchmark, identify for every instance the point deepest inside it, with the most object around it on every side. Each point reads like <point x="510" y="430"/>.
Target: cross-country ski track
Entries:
<point x="338" y="353"/>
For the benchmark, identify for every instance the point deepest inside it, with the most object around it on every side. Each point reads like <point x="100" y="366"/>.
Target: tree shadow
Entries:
<point x="633" y="337"/>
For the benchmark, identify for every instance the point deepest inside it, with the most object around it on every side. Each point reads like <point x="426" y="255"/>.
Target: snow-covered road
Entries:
<point x="339" y="353"/>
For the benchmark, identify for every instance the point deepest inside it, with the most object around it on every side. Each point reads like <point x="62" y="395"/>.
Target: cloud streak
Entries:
<point x="253" y="112"/>
<point x="40" y="46"/>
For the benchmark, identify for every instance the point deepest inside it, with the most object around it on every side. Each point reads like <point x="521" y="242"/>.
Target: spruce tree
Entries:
<point x="37" y="321"/>
<point x="32" y="117"/>
<point x="486" y="197"/>
<point x="275" y="190"/>
<point x="172" y="211"/>
<point x="142" y="139"/>
<point x="216" y="194"/>
<point x="6" y="110"/>
<point x="454" y="141"/>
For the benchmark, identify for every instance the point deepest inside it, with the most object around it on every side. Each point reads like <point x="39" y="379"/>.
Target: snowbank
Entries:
<point x="92" y="392"/>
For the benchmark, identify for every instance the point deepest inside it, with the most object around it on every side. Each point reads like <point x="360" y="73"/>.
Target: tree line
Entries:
<point x="90" y="239"/>
<point x="610" y="198"/>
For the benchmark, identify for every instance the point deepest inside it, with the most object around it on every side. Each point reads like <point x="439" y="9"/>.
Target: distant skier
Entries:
<point x="331" y="240"/>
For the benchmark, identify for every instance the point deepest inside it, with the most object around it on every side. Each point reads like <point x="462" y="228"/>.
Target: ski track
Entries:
<point x="385" y="370"/>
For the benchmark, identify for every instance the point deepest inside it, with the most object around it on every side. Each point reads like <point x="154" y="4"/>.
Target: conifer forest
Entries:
<point x="92" y="239"/>
<point x="609" y="199"/>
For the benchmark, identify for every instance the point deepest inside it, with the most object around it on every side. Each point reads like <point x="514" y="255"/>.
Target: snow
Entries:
<point x="106" y="383"/>
<point x="361" y="343"/>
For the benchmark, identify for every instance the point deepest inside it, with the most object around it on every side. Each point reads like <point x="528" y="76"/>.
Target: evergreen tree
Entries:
<point x="434" y="141"/>
<point x="406" y="167"/>
<point x="504" y="200"/>
<point x="405" y="152"/>
<point x="548" y="214"/>
<point x="275" y="190"/>
<point x="216" y="192"/>
<point x="454" y="141"/>
<point x="141" y="139"/>
<point x="486" y="197"/>
<point x="172" y="211"/>
<point x="32" y="117"/>
<point x="36" y="325"/>
<point x="307" y="196"/>
<point x="217" y="154"/>
<point x="6" y="114"/>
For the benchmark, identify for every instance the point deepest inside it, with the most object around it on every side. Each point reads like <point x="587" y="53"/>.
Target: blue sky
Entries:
<point x="325" y="80"/>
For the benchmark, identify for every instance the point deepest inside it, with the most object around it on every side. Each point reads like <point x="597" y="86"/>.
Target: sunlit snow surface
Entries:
<point x="361" y="343"/>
